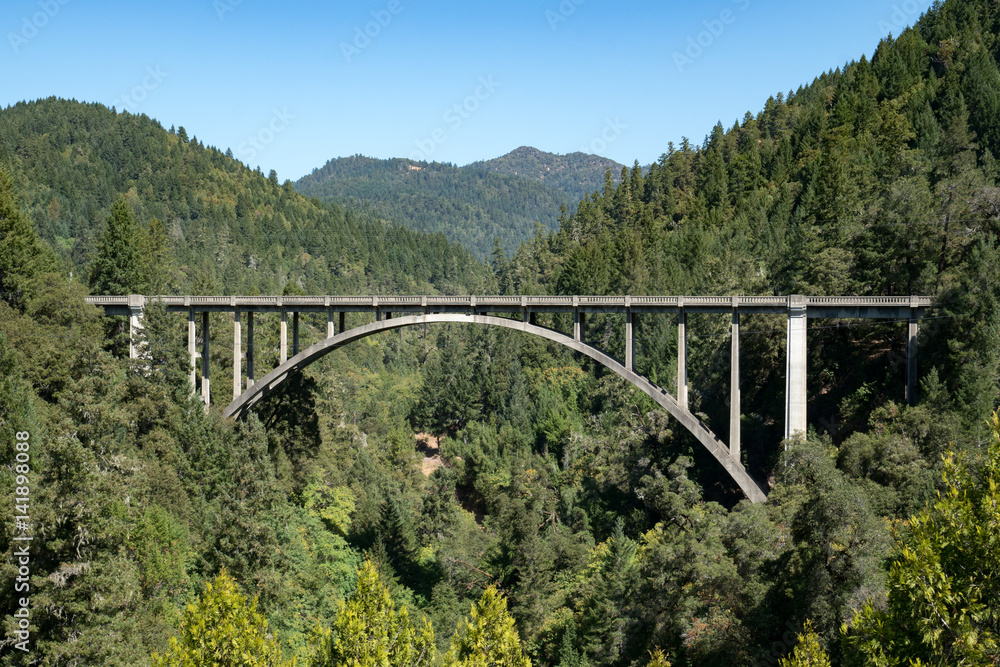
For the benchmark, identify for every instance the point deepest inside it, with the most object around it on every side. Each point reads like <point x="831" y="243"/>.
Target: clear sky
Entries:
<point x="289" y="85"/>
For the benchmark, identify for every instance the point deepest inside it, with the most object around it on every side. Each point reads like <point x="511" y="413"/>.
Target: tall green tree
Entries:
<point x="118" y="267"/>
<point x="22" y="254"/>
<point x="370" y="632"/>
<point x="222" y="629"/>
<point x="487" y="637"/>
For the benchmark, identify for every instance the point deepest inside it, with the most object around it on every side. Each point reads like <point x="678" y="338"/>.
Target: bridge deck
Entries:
<point x="887" y="307"/>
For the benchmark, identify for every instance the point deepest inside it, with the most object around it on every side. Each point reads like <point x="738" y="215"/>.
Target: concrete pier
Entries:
<point x="795" y="367"/>
<point x="237" y="355"/>
<point x="206" y="395"/>
<point x="682" y="373"/>
<point x="734" y="384"/>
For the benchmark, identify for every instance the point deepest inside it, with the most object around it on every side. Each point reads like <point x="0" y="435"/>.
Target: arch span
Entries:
<point x="709" y="440"/>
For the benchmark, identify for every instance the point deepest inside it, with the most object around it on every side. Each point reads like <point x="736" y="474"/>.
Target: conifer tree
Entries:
<point x="222" y="629"/>
<point x="22" y="255"/>
<point x="487" y="637"/>
<point x="370" y="632"/>
<point x="118" y="267"/>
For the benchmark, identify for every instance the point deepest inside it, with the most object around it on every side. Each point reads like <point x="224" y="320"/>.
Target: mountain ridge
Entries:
<point x="475" y="204"/>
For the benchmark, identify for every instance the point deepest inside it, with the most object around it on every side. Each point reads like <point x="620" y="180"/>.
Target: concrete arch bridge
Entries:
<point x="520" y="313"/>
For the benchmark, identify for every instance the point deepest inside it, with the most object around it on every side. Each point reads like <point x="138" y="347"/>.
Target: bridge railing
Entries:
<point x="508" y="301"/>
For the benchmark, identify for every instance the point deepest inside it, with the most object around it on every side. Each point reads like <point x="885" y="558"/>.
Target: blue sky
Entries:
<point x="288" y="86"/>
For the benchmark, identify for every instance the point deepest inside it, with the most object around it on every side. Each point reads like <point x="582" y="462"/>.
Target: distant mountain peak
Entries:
<point x="574" y="174"/>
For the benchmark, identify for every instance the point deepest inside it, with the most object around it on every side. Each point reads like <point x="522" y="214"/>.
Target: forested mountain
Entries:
<point x="554" y="513"/>
<point x="225" y="227"/>
<point x="575" y="174"/>
<point x="472" y="205"/>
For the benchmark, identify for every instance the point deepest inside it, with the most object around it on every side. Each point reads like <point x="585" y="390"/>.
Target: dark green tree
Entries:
<point x="118" y="267"/>
<point x="22" y="254"/>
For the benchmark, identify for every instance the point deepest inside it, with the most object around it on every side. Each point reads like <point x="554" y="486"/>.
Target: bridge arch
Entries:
<point x="296" y="364"/>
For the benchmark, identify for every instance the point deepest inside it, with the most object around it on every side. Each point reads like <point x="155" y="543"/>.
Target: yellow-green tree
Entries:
<point x="222" y="629"/>
<point x="487" y="637"/>
<point x="370" y="632"/>
<point x="944" y="584"/>
<point x="808" y="652"/>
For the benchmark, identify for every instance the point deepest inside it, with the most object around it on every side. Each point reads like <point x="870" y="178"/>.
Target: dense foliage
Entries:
<point x="474" y="205"/>
<point x="228" y="228"/>
<point x="549" y="497"/>
<point x="575" y="175"/>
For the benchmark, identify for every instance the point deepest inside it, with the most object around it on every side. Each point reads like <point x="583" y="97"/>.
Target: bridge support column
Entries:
<point x="795" y="367"/>
<point x="237" y="355"/>
<point x="682" y="371"/>
<point x="192" y="349"/>
<point x="206" y="395"/>
<point x="250" y="350"/>
<point x="576" y="318"/>
<point x="283" y="339"/>
<point x="629" y="336"/>
<point x="295" y="333"/>
<point x="329" y="323"/>
<point x="734" y="386"/>
<point x="583" y="328"/>
<point x="343" y="322"/>
<point x="135" y="304"/>
<point x="911" y="355"/>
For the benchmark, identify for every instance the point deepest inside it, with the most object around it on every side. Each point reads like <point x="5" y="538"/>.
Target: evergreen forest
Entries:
<point x="484" y="205"/>
<point x="468" y="496"/>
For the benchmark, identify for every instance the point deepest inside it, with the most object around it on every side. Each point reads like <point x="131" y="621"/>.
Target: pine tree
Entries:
<point x="157" y="263"/>
<point x="487" y="637"/>
<point x="22" y="254"/>
<point x="370" y="632"/>
<point x="118" y="267"/>
<point x="222" y="629"/>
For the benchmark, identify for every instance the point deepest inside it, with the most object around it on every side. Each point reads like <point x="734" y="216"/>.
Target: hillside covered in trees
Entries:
<point x="503" y="200"/>
<point x="552" y="515"/>
<point x="228" y="228"/>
